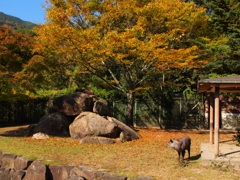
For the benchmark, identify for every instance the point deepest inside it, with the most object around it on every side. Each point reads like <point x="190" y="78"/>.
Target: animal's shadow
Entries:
<point x="185" y="162"/>
<point x="194" y="158"/>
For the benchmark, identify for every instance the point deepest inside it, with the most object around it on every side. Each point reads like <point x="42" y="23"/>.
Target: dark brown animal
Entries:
<point x="180" y="146"/>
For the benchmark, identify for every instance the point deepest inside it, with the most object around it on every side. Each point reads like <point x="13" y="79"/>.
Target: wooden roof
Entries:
<point x="225" y="84"/>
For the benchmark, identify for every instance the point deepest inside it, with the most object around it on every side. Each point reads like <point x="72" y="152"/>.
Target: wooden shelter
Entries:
<point x="215" y="86"/>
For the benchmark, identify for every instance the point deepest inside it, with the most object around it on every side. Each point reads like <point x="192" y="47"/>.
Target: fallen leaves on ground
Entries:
<point x="147" y="156"/>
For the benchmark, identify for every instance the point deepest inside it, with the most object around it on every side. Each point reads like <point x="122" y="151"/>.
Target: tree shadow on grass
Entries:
<point x="14" y="132"/>
<point x="23" y="131"/>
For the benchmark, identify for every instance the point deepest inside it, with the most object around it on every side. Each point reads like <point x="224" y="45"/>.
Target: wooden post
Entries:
<point x="216" y="122"/>
<point x="211" y="116"/>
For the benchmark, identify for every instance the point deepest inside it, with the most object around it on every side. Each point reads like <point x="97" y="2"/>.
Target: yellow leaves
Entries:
<point x="177" y="58"/>
<point x="57" y="15"/>
<point x="51" y="37"/>
<point x="128" y="33"/>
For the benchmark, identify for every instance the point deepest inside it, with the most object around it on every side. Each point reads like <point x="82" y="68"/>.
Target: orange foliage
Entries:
<point x="124" y="43"/>
<point x="15" y="52"/>
<point x="91" y="32"/>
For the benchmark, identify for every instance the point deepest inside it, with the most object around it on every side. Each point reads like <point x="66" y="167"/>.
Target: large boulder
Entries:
<point x="127" y="133"/>
<point x="53" y="124"/>
<point x="92" y="124"/>
<point x="101" y="107"/>
<point x="74" y="104"/>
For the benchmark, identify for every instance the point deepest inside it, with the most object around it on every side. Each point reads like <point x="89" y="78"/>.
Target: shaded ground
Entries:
<point x="14" y="131"/>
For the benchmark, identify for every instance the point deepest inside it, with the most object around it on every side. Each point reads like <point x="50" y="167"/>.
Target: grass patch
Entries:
<point x="147" y="156"/>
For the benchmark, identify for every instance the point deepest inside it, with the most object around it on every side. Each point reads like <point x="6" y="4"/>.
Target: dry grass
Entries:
<point x="147" y="156"/>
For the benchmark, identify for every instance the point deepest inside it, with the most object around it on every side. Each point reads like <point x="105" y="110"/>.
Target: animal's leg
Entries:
<point x="183" y="154"/>
<point x="189" y="153"/>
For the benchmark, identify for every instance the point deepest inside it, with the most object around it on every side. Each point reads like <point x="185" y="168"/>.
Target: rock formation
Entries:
<point x="85" y="118"/>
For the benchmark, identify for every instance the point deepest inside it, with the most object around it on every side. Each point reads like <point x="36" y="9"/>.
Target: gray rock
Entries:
<point x="40" y="136"/>
<point x="7" y="160"/>
<point x="101" y="107"/>
<point x="127" y="133"/>
<point x="21" y="163"/>
<point x="91" y="124"/>
<point x="107" y="176"/>
<point x="53" y="124"/>
<point x="30" y="129"/>
<point x="74" y="104"/>
<point x="18" y="174"/>
<point x="5" y="173"/>
<point x="83" y="171"/>
<point x="37" y="170"/>
<point x="60" y="172"/>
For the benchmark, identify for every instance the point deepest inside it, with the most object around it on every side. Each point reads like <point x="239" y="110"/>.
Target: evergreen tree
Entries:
<point x="225" y="23"/>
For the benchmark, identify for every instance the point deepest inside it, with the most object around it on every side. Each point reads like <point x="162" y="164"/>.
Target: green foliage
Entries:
<point x="15" y="23"/>
<point x="43" y="93"/>
<point x="225" y="24"/>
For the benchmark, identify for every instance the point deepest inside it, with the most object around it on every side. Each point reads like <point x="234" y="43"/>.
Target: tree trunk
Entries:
<point x="130" y="107"/>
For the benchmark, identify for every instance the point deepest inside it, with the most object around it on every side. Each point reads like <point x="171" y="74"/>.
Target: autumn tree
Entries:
<point x="15" y="52"/>
<point x="124" y="43"/>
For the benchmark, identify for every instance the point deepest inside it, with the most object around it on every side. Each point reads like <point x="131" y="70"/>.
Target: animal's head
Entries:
<point x="172" y="143"/>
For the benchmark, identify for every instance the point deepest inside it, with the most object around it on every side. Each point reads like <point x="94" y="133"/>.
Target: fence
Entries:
<point x="24" y="112"/>
<point x="181" y="113"/>
<point x="184" y="113"/>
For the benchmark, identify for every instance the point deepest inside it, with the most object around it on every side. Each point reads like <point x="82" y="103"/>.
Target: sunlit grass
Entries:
<point x="147" y="156"/>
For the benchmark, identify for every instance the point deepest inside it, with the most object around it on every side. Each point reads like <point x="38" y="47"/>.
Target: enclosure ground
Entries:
<point x="229" y="154"/>
<point x="147" y="156"/>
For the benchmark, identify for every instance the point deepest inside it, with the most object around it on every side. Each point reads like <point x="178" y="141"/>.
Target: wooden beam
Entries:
<point x="211" y="116"/>
<point x="216" y="121"/>
<point x="210" y="87"/>
<point x="229" y="85"/>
